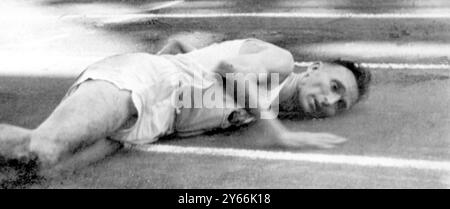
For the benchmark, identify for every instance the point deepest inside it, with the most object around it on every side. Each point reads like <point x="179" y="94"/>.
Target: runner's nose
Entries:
<point x="330" y="99"/>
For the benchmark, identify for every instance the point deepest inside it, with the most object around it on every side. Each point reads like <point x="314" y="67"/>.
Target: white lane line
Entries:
<point x="405" y="66"/>
<point x="352" y="160"/>
<point x="121" y="18"/>
<point x="382" y="50"/>
<point x="394" y="66"/>
<point x="281" y="15"/>
<point x="166" y="5"/>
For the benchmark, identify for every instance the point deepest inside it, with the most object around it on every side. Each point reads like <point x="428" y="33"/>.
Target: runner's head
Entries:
<point x="327" y="88"/>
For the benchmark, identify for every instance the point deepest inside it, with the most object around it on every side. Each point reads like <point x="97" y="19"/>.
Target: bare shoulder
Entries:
<point x="253" y="45"/>
<point x="274" y="57"/>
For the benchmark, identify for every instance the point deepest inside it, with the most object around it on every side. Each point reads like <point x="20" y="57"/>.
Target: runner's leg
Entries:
<point x="94" y="111"/>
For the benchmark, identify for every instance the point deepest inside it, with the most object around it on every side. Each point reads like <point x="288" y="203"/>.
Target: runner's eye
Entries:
<point x="337" y="87"/>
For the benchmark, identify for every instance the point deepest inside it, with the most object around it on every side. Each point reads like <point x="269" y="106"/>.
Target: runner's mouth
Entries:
<point x="317" y="107"/>
<point x="313" y="104"/>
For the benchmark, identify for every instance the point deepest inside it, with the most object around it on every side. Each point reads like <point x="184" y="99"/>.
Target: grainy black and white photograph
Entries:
<point x="224" y="94"/>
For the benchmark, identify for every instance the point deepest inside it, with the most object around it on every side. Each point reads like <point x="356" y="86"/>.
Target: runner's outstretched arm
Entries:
<point x="279" y="133"/>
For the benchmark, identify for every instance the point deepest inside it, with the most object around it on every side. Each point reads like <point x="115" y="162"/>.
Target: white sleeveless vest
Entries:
<point x="197" y="66"/>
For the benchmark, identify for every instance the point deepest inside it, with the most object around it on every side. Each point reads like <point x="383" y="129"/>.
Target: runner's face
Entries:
<point x="327" y="89"/>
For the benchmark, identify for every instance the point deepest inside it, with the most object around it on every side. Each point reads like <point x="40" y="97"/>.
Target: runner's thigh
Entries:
<point x="95" y="110"/>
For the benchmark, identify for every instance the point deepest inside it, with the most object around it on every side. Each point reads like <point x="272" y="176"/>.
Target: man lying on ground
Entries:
<point x="137" y="98"/>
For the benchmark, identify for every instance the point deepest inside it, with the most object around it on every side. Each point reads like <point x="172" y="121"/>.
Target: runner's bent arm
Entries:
<point x="280" y="134"/>
<point x="176" y="47"/>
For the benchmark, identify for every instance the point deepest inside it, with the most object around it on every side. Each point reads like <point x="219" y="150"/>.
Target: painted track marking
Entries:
<point x="353" y="160"/>
<point x="396" y="66"/>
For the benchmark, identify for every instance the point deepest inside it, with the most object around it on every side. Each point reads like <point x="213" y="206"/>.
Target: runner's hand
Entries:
<point x="306" y="139"/>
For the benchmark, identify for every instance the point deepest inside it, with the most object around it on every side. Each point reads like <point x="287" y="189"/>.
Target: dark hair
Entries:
<point x="363" y="76"/>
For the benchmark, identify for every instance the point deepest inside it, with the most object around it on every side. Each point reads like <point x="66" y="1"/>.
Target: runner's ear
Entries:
<point x="299" y="68"/>
<point x="315" y="66"/>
